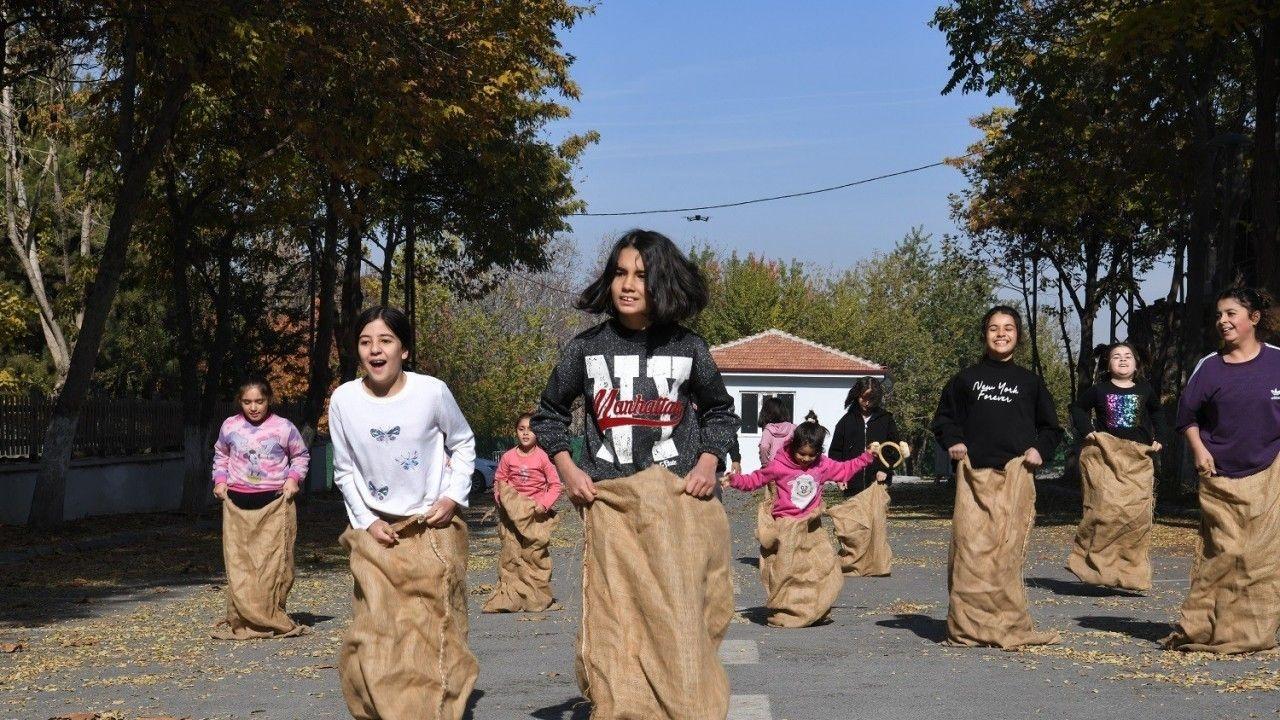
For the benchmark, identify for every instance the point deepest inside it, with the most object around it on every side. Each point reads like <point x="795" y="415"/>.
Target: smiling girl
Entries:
<point x="1230" y="415"/>
<point x="259" y="461"/>
<point x="403" y="458"/>
<point x="1118" y="422"/>
<point x="998" y="423"/>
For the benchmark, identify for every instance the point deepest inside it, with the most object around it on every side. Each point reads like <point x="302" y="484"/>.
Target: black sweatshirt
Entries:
<point x="999" y="410"/>
<point x="1131" y="413"/>
<point x="640" y="389"/>
<point x="852" y="436"/>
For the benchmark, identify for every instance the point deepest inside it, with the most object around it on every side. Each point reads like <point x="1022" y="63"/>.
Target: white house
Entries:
<point x="804" y="374"/>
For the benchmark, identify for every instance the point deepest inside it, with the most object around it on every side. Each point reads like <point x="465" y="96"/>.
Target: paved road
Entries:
<point x="122" y="631"/>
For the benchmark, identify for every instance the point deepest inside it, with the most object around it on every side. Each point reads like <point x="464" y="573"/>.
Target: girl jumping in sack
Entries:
<point x="259" y="463"/>
<point x="403" y="455"/>
<point x="1230" y="415"/>
<point x="525" y="486"/>
<point x="1117" y="421"/>
<point x="797" y="564"/>
<point x="656" y="538"/>
<point x="998" y="423"/>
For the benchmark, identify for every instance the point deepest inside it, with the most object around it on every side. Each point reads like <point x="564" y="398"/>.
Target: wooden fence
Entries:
<point x="108" y="426"/>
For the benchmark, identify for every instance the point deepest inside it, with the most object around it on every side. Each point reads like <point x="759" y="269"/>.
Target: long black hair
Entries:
<point x="773" y="411"/>
<point x="860" y="387"/>
<point x="674" y="286"/>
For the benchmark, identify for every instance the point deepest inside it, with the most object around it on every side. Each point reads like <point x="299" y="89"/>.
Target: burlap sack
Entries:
<point x="524" y="564"/>
<point x="257" y="547"/>
<point x="994" y="513"/>
<point x="1113" y="543"/>
<point x="656" y="601"/>
<point x="798" y="568"/>
<point x="1234" y="602"/>
<point x="405" y="655"/>
<point x="862" y="527"/>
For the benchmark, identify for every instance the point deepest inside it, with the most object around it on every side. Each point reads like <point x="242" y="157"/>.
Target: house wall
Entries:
<point x="824" y="394"/>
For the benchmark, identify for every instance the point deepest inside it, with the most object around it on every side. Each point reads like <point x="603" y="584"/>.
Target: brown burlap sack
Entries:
<point x="798" y="568"/>
<point x="994" y="513"/>
<point x="405" y="655"/>
<point x="1234" y="602"/>
<point x="862" y="527"/>
<point x="524" y="564"/>
<point x="656" y="601"/>
<point x="257" y="547"/>
<point x="1113" y="543"/>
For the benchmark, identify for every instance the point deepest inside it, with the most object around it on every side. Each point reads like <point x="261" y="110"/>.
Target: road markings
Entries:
<point x="739" y="652"/>
<point x="749" y="707"/>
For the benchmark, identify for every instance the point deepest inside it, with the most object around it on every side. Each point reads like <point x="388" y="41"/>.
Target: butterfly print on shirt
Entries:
<point x="385" y="436"/>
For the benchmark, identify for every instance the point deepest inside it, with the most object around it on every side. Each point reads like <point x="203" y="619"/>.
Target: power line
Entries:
<point x="740" y="203"/>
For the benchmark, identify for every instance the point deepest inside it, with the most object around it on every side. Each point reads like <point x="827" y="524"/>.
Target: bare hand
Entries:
<point x="701" y="480"/>
<point x="1032" y="458"/>
<point x="581" y="489"/>
<point x="958" y="451"/>
<point x="290" y="489"/>
<point x="220" y="491"/>
<point x="736" y="468"/>
<point x="1204" y="463"/>
<point x="881" y="476"/>
<point x="382" y="532"/>
<point x="1091" y="435"/>
<point x="441" y="512"/>
<point x="1156" y="446"/>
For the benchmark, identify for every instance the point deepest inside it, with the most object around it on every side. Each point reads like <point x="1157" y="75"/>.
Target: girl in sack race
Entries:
<point x="797" y="563"/>
<point x="998" y="423"/>
<point x="1230" y="415"/>
<point x="259" y="461"/>
<point x="656" y="539"/>
<point x="525" y="487"/>
<point x="1118" y="421"/>
<point x="403" y="458"/>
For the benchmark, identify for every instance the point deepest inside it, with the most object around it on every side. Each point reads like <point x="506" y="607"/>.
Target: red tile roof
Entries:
<point x="774" y="351"/>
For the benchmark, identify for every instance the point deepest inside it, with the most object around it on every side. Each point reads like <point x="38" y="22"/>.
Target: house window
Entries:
<point x="750" y="409"/>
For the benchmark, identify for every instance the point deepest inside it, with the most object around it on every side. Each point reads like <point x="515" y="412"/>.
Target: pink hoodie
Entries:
<point x="532" y="475"/>
<point x="783" y="474"/>
<point x="772" y="438"/>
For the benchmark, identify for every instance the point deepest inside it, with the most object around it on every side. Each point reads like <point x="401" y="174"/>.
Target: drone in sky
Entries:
<point x="697" y="218"/>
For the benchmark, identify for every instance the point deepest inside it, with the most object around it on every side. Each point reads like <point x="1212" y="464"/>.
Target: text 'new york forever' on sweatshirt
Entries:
<point x="652" y="397"/>
<point x="999" y="410"/>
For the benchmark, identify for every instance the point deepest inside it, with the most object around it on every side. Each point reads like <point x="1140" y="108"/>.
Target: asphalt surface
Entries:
<point x="122" y="632"/>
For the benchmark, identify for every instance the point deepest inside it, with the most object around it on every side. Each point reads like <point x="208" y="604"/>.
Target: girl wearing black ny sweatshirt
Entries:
<point x="998" y="423"/>
<point x="655" y="536"/>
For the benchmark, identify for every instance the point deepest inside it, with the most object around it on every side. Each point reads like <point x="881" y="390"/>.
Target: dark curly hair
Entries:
<point x="675" y="288"/>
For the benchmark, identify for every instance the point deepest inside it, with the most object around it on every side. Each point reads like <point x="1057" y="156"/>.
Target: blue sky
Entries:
<point x="710" y="101"/>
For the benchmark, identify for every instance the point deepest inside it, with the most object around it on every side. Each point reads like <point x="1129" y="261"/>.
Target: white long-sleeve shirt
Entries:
<point x="389" y="454"/>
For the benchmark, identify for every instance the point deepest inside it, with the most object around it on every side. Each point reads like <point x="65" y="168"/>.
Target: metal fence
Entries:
<point x="108" y="426"/>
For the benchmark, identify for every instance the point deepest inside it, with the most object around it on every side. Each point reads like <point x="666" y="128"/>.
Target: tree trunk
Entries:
<point x="321" y="374"/>
<point x="48" y="500"/>
<point x="411" y="286"/>
<point x="1265" y="168"/>
<point x="352" y="298"/>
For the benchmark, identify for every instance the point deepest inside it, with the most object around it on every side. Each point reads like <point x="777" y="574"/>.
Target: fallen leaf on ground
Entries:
<point x="10" y="648"/>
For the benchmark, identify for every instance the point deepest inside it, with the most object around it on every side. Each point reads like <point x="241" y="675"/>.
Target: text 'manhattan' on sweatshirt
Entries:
<point x="397" y="455"/>
<point x="640" y="390"/>
<point x="1236" y="408"/>
<point x="999" y="410"/>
